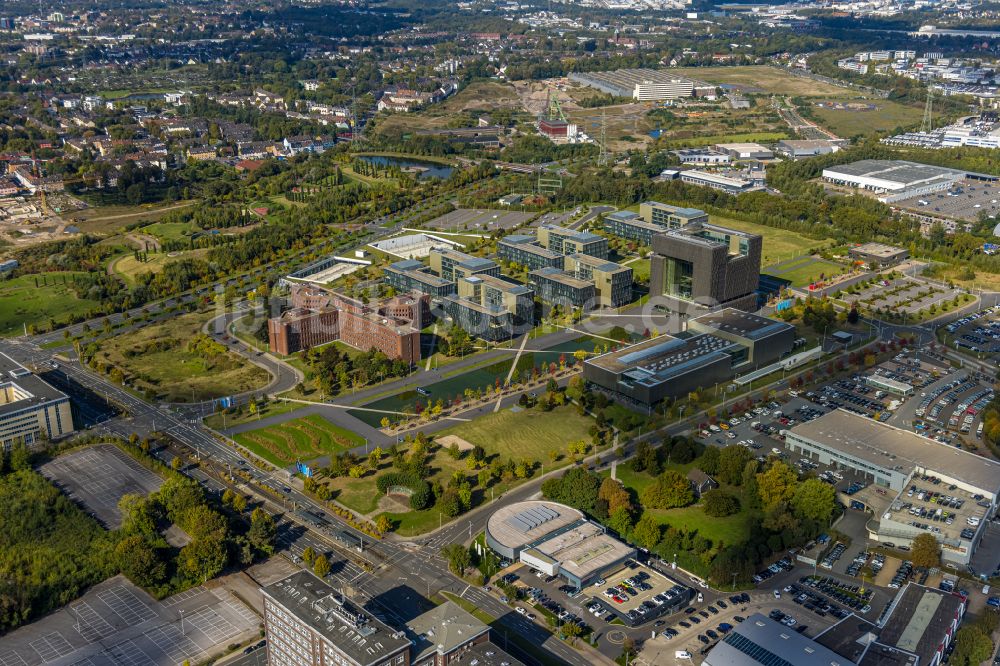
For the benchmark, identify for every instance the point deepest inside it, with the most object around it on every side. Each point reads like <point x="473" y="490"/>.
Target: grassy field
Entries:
<point x="779" y="244"/>
<point x="169" y="231"/>
<point x="109" y="219"/>
<point x="273" y="408"/>
<point x="770" y="79"/>
<point x="746" y="137"/>
<point x="806" y="270"/>
<point x="527" y="434"/>
<point x="157" y="358"/>
<point x="304" y="439"/>
<point x="128" y="268"/>
<point x="31" y="299"/>
<point x="889" y="116"/>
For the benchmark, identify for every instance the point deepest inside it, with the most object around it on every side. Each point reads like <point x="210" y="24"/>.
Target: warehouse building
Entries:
<point x="894" y="180"/>
<point x="411" y="275"/>
<point x="557" y="540"/>
<point x="570" y="241"/>
<point x="643" y="84"/>
<point x="701" y="266"/>
<point x="612" y="282"/>
<point x="490" y="307"/>
<point x="556" y="287"/>
<point x="30" y="408"/>
<point x="899" y="460"/>
<point x="799" y="149"/>
<point x="745" y="151"/>
<point x="732" y="183"/>
<point x="524" y="249"/>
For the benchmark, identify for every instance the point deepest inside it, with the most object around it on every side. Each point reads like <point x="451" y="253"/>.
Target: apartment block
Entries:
<point x="452" y="265"/>
<point x="612" y="282"/>
<point x="491" y="308"/>
<point x="569" y="241"/>
<point x="705" y="266"/>
<point x="524" y="250"/>
<point x="411" y="275"/>
<point x="319" y="316"/>
<point x="30" y="408"/>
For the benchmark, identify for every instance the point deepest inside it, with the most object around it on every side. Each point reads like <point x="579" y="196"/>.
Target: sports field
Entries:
<point x="34" y="299"/>
<point x="803" y="271"/>
<point x="764" y="77"/>
<point x="779" y="244"/>
<point x="303" y="439"/>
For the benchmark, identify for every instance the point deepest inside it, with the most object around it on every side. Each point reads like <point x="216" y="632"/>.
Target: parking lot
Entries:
<point x="118" y="624"/>
<point x="477" y="219"/>
<point x="98" y="477"/>
<point x="967" y="201"/>
<point x="903" y="294"/>
<point x="978" y="332"/>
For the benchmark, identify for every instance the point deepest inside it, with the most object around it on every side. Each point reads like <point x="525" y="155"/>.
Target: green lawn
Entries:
<point x="304" y="439"/>
<point x="528" y="433"/>
<point x="168" y="231"/>
<point x="217" y="422"/>
<point x="779" y="244"/>
<point x="806" y="270"/>
<point x="34" y="299"/>
<point x="640" y="269"/>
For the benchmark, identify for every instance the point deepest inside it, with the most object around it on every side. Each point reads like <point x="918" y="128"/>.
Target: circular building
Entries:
<point x="556" y="539"/>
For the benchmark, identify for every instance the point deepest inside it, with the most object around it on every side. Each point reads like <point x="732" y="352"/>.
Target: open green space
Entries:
<point x="745" y="137"/>
<point x="128" y="267"/>
<point x="526" y="433"/>
<point x="302" y="439"/>
<point x="804" y="271"/>
<point x="764" y="77"/>
<point x="779" y="244"/>
<point x="890" y="115"/>
<point x="165" y="359"/>
<point x="31" y="300"/>
<point x="221" y="421"/>
<point x="169" y="231"/>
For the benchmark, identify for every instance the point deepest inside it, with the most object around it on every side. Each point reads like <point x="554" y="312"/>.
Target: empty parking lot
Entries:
<point x="118" y="624"/>
<point x="98" y="477"/>
<point x="477" y="219"/>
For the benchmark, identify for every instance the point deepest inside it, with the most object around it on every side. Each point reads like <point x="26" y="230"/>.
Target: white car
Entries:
<point x="521" y="610"/>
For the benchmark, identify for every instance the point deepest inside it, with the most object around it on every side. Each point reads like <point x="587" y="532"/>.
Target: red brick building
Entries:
<point x="319" y="316"/>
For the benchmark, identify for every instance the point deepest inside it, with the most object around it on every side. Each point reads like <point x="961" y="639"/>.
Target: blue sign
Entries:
<point x="304" y="469"/>
<point x="784" y="305"/>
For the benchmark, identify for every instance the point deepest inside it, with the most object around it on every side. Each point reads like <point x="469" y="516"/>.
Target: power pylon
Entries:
<point x="928" y="122"/>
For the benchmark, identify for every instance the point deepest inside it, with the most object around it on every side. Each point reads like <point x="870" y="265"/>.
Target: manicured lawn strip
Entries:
<point x="302" y="439"/>
<point x="217" y="422"/>
<point x="809" y="272"/>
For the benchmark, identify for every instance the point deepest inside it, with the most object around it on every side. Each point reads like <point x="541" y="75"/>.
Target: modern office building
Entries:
<point x="491" y="308"/>
<point x="557" y="540"/>
<point x="701" y="266"/>
<point x="733" y="182"/>
<point x="319" y="316"/>
<point x="524" y="249"/>
<point x="628" y="225"/>
<point x="715" y="349"/>
<point x="30" y="408"/>
<point x="451" y="264"/>
<point x="671" y="217"/>
<point x="896" y="459"/>
<point x="879" y="255"/>
<point x="556" y="287"/>
<point x="569" y="241"/>
<point x="612" y="282"/>
<point x="308" y="623"/>
<point x="411" y="275"/>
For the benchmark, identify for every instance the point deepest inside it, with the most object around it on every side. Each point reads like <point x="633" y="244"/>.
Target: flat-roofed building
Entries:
<point x="450" y="264"/>
<point x="639" y="84"/>
<point x="556" y="539"/>
<point x="799" y="149"/>
<point x="879" y="255"/>
<point x="557" y="287"/>
<point x="31" y="410"/>
<point x="612" y="282"/>
<point x="411" y="275"/>
<point x="490" y="307"/>
<point x="449" y="634"/>
<point x="701" y="266"/>
<point x="731" y="183"/>
<point x="671" y="217"/>
<point x="766" y="340"/>
<point x="308" y="623"/>
<point x="894" y="180"/>
<point x="525" y="250"/>
<point x="570" y="241"/>
<point x="628" y="225"/>
<point x="745" y="151"/>
<point x="897" y="459"/>
<point x="759" y="640"/>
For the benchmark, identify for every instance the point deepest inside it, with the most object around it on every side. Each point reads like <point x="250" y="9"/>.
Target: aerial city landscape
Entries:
<point x="499" y="333"/>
